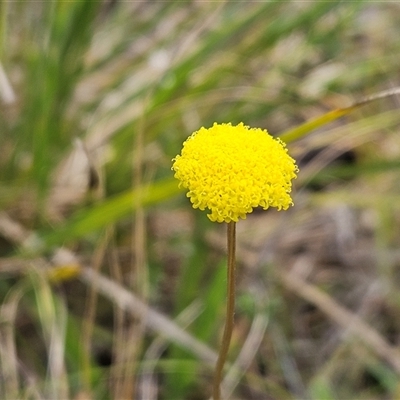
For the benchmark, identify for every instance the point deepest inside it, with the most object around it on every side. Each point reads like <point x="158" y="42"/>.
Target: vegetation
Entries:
<point x="112" y="286"/>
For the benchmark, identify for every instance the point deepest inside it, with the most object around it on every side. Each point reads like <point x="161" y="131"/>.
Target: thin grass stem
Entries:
<point x="230" y="311"/>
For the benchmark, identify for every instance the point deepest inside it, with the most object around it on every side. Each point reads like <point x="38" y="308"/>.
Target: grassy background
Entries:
<point x="111" y="286"/>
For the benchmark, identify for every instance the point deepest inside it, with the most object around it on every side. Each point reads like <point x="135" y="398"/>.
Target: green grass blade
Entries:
<point x="304" y="129"/>
<point x="111" y="210"/>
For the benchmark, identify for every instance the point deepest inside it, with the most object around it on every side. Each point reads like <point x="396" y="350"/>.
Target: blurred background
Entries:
<point x="111" y="285"/>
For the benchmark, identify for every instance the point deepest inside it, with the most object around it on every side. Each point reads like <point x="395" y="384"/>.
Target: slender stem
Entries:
<point x="230" y="311"/>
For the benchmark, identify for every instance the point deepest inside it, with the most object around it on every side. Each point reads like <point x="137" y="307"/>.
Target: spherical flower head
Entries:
<point x="231" y="169"/>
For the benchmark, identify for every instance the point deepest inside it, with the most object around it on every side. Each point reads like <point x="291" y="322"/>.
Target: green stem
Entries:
<point x="230" y="311"/>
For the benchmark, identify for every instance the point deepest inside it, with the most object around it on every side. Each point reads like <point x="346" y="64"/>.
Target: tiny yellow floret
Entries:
<point x="231" y="169"/>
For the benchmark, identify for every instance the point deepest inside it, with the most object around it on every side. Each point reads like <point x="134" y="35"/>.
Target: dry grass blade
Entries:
<point x="147" y="385"/>
<point x="8" y="351"/>
<point x="377" y="96"/>
<point x="53" y="319"/>
<point x="153" y="320"/>
<point x="6" y="90"/>
<point x="344" y="318"/>
<point x="126" y="300"/>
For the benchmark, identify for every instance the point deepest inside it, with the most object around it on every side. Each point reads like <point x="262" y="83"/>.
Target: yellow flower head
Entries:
<point x="231" y="169"/>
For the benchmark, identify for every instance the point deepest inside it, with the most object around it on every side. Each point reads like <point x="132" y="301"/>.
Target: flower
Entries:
<point x="231" y="169"/>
